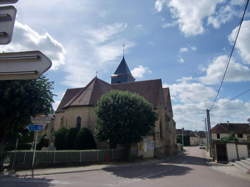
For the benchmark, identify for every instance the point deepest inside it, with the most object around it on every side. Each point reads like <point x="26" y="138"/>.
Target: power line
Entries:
<point x="240" y="94"/>
<point x="230" y="56"/>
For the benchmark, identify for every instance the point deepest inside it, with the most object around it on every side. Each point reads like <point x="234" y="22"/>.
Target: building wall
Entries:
<point x="194" y="140"/>
<point x="163" y="133"/>
<point x="222" y="135"/>
<point x="232" y="151"/>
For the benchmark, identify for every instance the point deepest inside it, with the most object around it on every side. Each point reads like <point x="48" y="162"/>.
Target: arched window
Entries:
<point x="78" y="122"/>
<point x="62" y="122"/>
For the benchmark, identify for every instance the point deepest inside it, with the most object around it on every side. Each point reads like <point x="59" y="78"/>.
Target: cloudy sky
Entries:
<point x="186" y="43"/>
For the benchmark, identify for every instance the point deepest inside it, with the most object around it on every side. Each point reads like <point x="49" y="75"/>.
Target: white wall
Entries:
<point x="232" y="152"/>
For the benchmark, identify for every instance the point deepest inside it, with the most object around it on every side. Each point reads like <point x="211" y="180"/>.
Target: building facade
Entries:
<point x="77" y="109"/>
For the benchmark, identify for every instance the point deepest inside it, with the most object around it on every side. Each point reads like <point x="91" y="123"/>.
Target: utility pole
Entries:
<point x="183" y="136"/>
<point x="206" y="130"/>
<point x="209" y="132"/>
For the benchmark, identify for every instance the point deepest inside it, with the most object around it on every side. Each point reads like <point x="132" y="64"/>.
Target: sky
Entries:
<point x="185" y="43"/>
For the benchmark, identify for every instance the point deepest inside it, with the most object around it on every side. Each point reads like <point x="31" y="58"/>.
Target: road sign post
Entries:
<point x="23" y="65"/>
<point x="35" y="129"/>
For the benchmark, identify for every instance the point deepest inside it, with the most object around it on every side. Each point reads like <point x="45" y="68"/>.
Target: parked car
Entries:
<point x="202" y="146"/>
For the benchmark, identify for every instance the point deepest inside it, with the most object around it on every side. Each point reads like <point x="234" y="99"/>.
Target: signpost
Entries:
<point x="20" y="65"/>
<point x="35" y="129"/>
<point x="7" y="21"/>
<point x="23" y="65"/>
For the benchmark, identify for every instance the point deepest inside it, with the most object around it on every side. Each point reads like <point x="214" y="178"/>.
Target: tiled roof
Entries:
<point x="90" y="94"/>
<point x="231" y="128"/>
<point x="69" y="94"/>
<point x="151" y="90"/>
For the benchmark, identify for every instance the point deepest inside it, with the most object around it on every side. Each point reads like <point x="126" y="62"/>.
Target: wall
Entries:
<point x="232" y="151"/>
<point x="222" y="135"/>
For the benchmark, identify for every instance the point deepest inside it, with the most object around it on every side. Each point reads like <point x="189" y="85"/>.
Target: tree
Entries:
<point x="123" y="118"/>
<point x="19" y="100"/>
<point x="85" y="140"/>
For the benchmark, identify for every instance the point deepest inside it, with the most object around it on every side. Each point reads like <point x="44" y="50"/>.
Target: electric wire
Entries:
<point x="230" y="56"/>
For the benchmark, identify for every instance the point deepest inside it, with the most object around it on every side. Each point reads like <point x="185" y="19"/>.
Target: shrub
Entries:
<point x="70" y="138"/>
<point x="60" y="139"/>
<point x="85" y="140"/>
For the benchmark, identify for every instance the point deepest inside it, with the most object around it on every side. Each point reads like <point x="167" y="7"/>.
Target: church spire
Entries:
<point x="122" y="73"/>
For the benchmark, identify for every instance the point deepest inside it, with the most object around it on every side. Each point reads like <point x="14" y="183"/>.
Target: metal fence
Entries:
<point x="23" y="159"/>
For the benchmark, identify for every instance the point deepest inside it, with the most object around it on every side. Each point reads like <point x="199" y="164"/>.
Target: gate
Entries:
<point x="221" y="152"/>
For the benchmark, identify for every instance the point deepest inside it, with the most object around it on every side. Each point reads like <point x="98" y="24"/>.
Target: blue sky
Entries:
<point x="183" y="42"/>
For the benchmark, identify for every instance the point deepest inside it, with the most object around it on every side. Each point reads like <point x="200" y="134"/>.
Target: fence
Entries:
<point x="23" y="159"/>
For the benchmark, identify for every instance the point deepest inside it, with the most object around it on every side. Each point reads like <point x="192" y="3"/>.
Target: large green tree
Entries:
<point x="21" y="99"/>
<point x="124" y="118"/>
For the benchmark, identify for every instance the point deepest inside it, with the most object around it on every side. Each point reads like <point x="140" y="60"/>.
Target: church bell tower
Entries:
<point x="122" y="73"/>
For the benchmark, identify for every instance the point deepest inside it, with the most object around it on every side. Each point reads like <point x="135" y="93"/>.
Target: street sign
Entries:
<point x="23" y="65"/>
<point x="7" y="1"/>
<point x="35" y="127"/>
<point x="7" y="21"/>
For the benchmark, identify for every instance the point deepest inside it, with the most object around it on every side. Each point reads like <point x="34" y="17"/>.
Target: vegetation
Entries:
<point x="124" y="118"/>
<point x="85" y="140"/>
<point x="230" y="138"/>
<point x="186" y="139"/>
<point x="21" y="99"/>
<point x="74" y="139"/>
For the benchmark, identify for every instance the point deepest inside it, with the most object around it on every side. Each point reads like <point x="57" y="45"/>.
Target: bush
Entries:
<point x="85" y="140"/>
<point x="60" y="139"/>
<point x="71" y="138"/>
<point x="44" y="142"/>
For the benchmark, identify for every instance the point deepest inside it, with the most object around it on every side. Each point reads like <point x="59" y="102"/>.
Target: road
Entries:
<point x="189" y="170"/>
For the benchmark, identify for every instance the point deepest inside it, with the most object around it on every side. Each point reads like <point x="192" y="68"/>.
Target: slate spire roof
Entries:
<point x="122" y="73"/>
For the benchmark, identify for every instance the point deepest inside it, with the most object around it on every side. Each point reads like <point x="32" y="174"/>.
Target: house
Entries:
<point x="241" y="131"/>
<point x="77" y="109"/>
<point x="230" y="141"/>
<point x="192" y="138"/>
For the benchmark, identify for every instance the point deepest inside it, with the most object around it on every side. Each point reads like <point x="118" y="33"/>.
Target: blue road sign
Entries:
<point x="35" y="127"/>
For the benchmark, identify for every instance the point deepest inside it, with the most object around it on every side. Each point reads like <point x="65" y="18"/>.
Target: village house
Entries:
<point x="241" y="131"/>
<point x="77" y="109"/>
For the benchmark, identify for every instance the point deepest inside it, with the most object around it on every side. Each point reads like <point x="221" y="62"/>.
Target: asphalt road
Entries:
<point x="189" y="170"/>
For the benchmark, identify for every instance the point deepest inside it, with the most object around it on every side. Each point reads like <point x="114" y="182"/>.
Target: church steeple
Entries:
<point x="122" y="73"/>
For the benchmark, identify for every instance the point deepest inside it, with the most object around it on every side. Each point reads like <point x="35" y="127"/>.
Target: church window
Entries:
<point x="78" y="122"/>
<point x="62" y="122"/>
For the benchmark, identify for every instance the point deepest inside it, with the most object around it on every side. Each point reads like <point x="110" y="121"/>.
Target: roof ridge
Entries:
<point x="137" y="82"/>
<point x="76" y="96"/>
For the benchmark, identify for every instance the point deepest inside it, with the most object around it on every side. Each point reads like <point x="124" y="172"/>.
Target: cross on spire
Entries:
<point x="123" y="48"/>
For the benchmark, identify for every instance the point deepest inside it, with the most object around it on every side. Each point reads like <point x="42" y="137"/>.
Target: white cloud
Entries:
<point x="140" y="71"/>
<point x="159" y="4"/>
<point x="25" y="38"/>
<point x="180" y="60"/>
<point x="236" y="72"/>
<point x="192" y="15"/>
<point x="101" y="48"/>
<point x="190" y="100"/>
<point x="223" y="15"/>
<point x="183" y="49"/>
<point x="243" y="42"/>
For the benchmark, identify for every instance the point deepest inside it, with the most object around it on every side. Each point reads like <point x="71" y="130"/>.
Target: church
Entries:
<point x="77" y="109"/>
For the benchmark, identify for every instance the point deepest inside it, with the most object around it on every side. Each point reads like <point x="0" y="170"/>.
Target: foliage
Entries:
<point x="21" y="99"/>
<point x="186" y="139"/>
<point x="71" y="137"/>
<point x="230" y="138"/>
<point x="44" y="142"/>
<point x="85" y="140"/>
<point x="60" y="138"/>
<point x="74" y="139"/>
<point x="123" y="118"/>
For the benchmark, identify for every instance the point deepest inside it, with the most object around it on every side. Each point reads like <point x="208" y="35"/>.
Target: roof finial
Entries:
<point x="123" y="48"/>
<point x="96" y="74"/>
